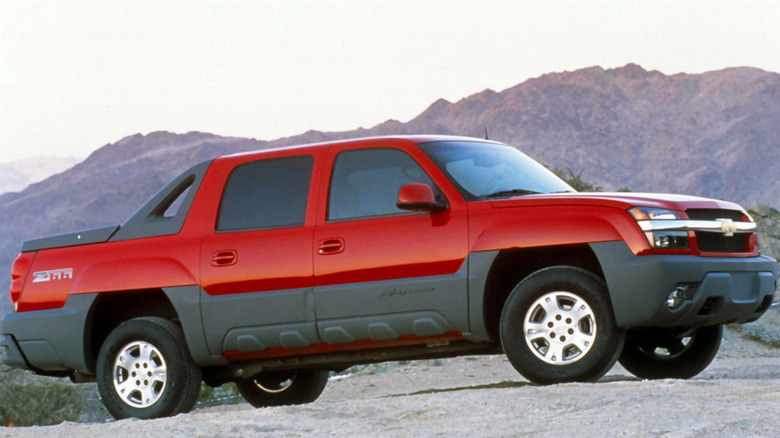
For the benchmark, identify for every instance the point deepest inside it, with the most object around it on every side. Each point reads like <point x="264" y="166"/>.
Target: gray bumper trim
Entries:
<point x="52" y="340"/>
<point x="728" y="289"/>
<point x="13" y="355"/>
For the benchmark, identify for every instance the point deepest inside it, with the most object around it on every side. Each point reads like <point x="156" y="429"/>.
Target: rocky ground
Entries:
<point x="483" y="396"/>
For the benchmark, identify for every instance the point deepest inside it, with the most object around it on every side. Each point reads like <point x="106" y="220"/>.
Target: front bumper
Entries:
<point x="727" y="290"/>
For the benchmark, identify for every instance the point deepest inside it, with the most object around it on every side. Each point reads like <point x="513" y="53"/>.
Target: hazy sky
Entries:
<point x="76" y="75"/>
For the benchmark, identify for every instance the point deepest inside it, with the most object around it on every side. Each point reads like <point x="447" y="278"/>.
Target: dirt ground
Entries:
<point x="738" y="395"/>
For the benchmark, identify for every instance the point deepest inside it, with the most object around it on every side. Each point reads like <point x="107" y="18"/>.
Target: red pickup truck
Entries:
<point x="272" y="268"/>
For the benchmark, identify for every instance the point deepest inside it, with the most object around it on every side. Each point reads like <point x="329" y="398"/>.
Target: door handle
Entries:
<point x="224" y="258"/>
<point x="333" y="245"/>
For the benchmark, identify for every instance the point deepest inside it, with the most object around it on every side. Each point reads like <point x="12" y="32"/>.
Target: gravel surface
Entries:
<point x="483" y="396"/>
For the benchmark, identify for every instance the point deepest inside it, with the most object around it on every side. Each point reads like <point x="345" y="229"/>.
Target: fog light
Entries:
<point x="675" y="299"/>
<point x="679" y="295"/>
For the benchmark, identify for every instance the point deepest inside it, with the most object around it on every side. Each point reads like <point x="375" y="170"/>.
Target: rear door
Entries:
<point x="383" y="273"/>
<point x="256" y="264"/>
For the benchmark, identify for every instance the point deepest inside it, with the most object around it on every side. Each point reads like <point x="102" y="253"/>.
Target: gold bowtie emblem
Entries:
<point x="727" y="226"/>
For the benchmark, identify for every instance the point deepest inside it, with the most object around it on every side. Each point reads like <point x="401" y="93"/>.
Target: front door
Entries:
<point x="384" y="273"/>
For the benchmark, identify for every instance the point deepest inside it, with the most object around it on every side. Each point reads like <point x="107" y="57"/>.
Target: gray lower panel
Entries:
<point x="53" y="340"/>
<point x="186" y="301"/>
<point x="479" y="268"/>
<point x="262" y="338"/>
<point x="383" y="327"/>
<point x="231" y="321"/>
<point x="381" y="310"/>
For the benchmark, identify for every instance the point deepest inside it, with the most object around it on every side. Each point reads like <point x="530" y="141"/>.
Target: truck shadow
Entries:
<point x="501" y="385"/>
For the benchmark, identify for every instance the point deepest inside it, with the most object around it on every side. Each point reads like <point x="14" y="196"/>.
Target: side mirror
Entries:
<point x="419" y="197"/>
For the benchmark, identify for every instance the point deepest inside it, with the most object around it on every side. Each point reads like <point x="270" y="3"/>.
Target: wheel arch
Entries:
<point x="111" y="309"/>
<point x="513" y="265"/>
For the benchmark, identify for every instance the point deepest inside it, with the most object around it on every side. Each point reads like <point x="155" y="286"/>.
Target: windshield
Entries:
<point x="481" y="170"/>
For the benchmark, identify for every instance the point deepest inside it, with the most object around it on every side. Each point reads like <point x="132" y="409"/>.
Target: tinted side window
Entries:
<point x="266" y="194"/>
<point x="365" y="182"/>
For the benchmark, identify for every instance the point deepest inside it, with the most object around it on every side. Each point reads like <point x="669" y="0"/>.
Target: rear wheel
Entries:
<point x="144" y="370"/>
<point x="557" y="326"/>
<point x="666" y="354"/>
<point x="277" y="388"/>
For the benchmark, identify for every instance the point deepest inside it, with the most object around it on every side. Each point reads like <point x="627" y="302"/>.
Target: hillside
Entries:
<point x="17" y="175"/>
<point x="713" y="134"/>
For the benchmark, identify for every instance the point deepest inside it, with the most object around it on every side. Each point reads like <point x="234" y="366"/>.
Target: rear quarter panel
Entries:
<point x="114" y="266"/>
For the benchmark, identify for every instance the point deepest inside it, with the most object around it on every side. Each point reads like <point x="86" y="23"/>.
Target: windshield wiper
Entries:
<point x="511" y="192"/>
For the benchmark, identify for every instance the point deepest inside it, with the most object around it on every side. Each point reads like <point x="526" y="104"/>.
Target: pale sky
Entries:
<point x="75" y="75"/>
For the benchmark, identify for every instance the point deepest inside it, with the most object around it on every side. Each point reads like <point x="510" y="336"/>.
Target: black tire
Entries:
<point x="575" y="339"/>
<point x="663" y="354"/>
<point x="278" y="388"/>
<point x="144" y="370"/>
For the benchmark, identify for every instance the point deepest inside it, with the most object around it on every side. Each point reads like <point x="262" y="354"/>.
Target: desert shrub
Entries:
<point x="40" y="404"/>
<point x="762" y="334"/>
<point x="760" y="331"/>
<point x="368" y="369"/>
<point x="575" y="180"/>
<point x="766" y="330"/>
<point x="226" y="394"/>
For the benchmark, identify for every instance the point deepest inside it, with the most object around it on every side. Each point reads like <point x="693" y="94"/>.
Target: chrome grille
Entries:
<point x="719" y="242"/>
<point x="703" y="214"/>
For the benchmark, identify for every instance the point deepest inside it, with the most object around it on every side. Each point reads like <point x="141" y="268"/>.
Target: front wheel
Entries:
<point x="144" y="370"/>
<point x="278" y="388"/>
<point x="665" y="354"/>
<point x="557" y="326"/>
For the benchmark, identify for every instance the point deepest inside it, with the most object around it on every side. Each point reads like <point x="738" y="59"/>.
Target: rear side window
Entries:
<point x="266" y="194"/>
<point x="365" y="182"/>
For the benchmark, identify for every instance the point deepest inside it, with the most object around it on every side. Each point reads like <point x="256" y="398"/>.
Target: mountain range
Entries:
<point x="16" y="175"/>
<point x="715" y="134"/>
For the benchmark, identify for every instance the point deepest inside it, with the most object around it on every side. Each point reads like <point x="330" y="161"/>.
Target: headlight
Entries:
<point x="660" y="239"/>
<point x="668" y="239"/>
<point x="648" y="213"/>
